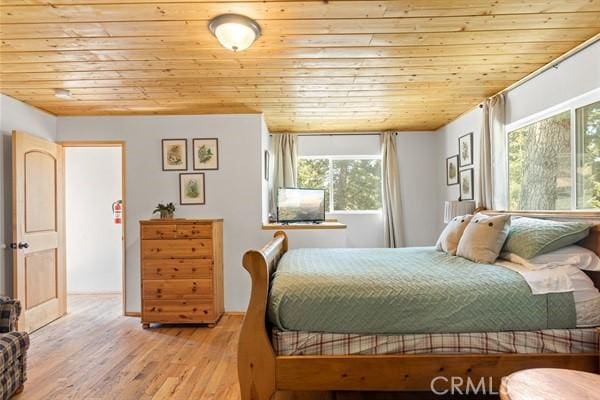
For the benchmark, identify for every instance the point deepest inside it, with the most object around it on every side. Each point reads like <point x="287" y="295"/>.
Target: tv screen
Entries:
<point x="300" y="205"/>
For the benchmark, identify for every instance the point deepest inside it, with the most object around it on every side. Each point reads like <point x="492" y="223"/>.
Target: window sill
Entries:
<point x="366" y="212"/>
<point x="575" y="214"/>
<point x="324" y="225"/>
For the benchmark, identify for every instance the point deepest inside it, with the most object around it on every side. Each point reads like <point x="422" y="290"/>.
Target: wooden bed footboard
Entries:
<point x="256" y="357"/>
<point x="261" y="372"/>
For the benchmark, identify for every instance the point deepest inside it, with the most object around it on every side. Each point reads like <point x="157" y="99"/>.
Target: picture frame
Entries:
<point x="452" y="170"/>
<point x="192" y="188"/>
<point x="467" y="188"/>
<point x="174" y="154"/>
<point x="267" y="164"/>
<point x="206" y="154"/>
<point x="465" y="150"/>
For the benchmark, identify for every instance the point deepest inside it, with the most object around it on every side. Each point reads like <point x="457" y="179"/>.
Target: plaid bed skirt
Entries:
<point x="293" y="343"/>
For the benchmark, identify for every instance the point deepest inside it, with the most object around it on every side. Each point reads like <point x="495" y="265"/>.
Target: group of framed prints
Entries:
<point x="456" y="171"/>
<point x="205" y="152"/>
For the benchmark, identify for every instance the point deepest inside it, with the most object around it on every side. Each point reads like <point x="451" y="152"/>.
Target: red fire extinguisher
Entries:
<point x="117" y="209"/>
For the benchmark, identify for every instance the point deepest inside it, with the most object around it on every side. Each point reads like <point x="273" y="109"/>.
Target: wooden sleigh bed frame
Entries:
<point x="262" y="372"/>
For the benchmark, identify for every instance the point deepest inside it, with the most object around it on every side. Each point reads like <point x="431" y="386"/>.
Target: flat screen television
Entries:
<point x="300" y="205"/>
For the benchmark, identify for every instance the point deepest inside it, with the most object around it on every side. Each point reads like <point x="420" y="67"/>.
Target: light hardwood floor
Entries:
<point x="94" y="353"/>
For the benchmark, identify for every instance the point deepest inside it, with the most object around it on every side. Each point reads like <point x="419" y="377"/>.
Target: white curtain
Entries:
<point x="493" y="168"/>
<point x="285" y="166"/>
<point x="392" y="207"/>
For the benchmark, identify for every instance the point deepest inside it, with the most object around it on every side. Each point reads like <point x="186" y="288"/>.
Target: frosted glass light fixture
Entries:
<point x="62" y="94"/>
<point x="235" y="32"/>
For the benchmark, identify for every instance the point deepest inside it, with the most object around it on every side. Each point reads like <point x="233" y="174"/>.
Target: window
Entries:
<point x="554" y="162"/>
<point x="588" y="155"/>
<point x="352" y="184"/>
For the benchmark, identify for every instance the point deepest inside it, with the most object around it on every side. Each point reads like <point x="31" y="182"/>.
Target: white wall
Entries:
<point x="15" y="115"/>
<point x="94" y="241"/>
<point x="419" y="185"/>
<point x="447" y="138"/>
<point x="417" y="179"/>
<point x="573" y="77"/>
<point x="233" y="192"/>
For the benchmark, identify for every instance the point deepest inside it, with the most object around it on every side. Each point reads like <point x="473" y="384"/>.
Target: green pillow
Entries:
<point x="530" y="237"/>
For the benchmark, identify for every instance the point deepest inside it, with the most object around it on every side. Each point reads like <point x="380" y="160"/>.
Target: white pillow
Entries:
<point x="576" y="256"/>
<point x="483" y="238"/>
<point x="448" y="241"/>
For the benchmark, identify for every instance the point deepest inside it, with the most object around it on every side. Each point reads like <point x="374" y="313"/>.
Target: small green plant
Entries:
<point x="166" y="210"/>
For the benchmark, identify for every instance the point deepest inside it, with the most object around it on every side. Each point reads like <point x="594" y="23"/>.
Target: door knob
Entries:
<point x="23" y="245"/>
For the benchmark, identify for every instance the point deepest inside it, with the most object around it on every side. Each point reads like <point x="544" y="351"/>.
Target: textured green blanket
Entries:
<point x="410" y="290"/>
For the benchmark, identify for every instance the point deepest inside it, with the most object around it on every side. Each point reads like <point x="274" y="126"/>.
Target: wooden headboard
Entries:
<point x="592" y="242"/>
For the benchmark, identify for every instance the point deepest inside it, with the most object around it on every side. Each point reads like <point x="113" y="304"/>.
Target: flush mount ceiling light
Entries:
<point x="235" y="32"/>
<point x="62" y="94"/>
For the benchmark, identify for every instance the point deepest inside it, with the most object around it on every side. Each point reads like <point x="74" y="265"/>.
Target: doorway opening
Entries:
<point x="94" y="223"/>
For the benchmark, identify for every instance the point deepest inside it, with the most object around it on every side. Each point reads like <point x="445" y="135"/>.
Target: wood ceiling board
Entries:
<point x="350" y="40"/>
<point x="366" y="52"/>
<point x="129" y="94"/>
<point x="400" y="8"/>
<point x="290" y="10"/>
<point x="337" y="65"/>
<point x="313" y="84"/>
<point x="78" y="66"/>
<point x="278" y="31"/>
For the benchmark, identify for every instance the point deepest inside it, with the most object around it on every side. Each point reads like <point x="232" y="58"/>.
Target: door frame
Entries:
<point x="121" y="144"/>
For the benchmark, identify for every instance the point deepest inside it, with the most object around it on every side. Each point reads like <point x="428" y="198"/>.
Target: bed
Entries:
<point x="319" y="320"/>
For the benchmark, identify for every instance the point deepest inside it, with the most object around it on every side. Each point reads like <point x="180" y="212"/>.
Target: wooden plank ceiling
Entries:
<point x="319" y="66"/>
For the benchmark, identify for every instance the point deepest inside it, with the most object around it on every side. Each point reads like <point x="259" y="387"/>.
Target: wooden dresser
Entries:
<point x="182" y="271"/>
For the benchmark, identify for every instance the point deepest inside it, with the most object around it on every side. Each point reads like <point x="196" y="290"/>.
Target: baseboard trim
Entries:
<point x="230" y="313"/>
<point x="91" y="293"/>
<point x="133" y="314"/>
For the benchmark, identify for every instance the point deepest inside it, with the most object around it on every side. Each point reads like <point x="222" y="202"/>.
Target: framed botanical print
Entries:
<point x="466" y="184"/>
<point x="206" y="154"/>
<point x="452" y="170"/>
<point x="465" y="150"/>
<point x="191" y="188"/>
<point x="174" y="155"/>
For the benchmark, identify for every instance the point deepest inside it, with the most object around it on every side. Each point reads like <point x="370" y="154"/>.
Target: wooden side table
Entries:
<point x="550" y="384"/>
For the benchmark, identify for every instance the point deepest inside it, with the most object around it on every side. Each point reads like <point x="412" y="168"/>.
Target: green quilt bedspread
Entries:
<point x="409" y="290"/>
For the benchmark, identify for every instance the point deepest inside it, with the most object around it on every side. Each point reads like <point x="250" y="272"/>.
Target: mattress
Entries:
<point x="406" y="291"/>
<point x="579" y="340"/>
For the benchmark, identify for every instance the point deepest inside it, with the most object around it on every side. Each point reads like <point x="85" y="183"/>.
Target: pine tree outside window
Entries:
<point x="352" y="183"/>
<point x="554" y="160"/>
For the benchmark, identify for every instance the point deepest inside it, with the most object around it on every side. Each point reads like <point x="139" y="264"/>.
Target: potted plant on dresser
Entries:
<point x="167" y="211"/>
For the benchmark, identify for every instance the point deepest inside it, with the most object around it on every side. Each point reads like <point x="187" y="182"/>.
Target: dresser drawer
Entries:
<point x="177" y="269"/>
<point x="194" y="231"/>
<point x="177" y="248"/>
<point x="159" y="231"/>
<point x="178" y="311"/>
<point x="177" y="289"/>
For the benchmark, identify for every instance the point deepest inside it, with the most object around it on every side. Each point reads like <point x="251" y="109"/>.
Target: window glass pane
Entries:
<point x="356" y="185"/>
<point x="314" y="174"/>
<point x="539" y="165"/>
<point x="588" y="156"/>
